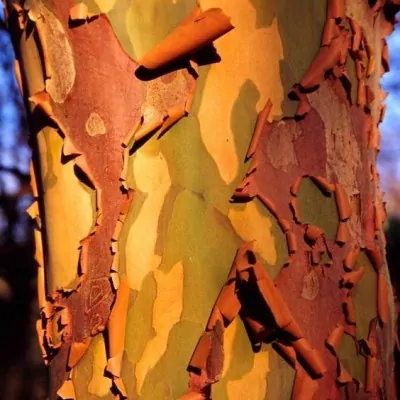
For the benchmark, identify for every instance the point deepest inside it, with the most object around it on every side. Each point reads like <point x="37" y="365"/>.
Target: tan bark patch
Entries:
<point x="310" y="287"/>
<point x="163" y="95"/>
<point x="343" y="152"/>
<point x="95" y="125"/>
<point x="150" y="113"/>
<point x="280" y="148"/>
<point x="59" y="54"/>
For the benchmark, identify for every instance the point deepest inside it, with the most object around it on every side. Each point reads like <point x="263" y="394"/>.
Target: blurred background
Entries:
<point x="22" y="374"/>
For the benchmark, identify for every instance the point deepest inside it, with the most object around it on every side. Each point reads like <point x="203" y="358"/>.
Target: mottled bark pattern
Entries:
<point x="283" y="155"/>
<point x="96" y="131"/>
<point x="152" y="225"/>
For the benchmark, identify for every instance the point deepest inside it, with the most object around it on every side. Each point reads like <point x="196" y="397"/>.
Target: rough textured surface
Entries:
<point x="315" y="212"/>
<point x="329" y="143"/>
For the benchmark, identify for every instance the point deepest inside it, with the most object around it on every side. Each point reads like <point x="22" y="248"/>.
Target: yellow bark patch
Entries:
<point x="152" y="178"/>
<point x="31" y="64"/>
<point x="99" y="385"/>
<point x="282" y="141"/>
<point x="167" y="310"/>
<point x="229" y="337"/>
<point x="69" y="201"/>
<point x="250" y="224"/>
<point x="38" y="248"/>
<point x="95" y="125"/>
<point x="225" y="79"/>
<point x="105" y="5"/>
<point x="253" y="385"/>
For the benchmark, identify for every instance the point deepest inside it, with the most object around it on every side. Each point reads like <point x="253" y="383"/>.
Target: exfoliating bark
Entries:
<point x="135" y="236"/>
<point x="311" y="173"/>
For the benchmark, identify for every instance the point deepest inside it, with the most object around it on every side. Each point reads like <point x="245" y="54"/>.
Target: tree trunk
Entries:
<point x="269" y="154"/>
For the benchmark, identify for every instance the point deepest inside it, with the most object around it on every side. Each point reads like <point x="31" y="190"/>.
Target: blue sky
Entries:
<point x="13" y="149"/>
<point x="389" y="158"/>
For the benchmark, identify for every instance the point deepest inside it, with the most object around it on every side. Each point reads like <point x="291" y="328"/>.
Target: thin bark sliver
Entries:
<point x="228" y="303"/>
<point x="116" y="328"/>
<point x="262" y="119"/>
<point x="343" y="234"/>
<point x="201" y="353"/>
<point x="310" y="357"/>
<point x="351" y="279"/>
<point x="334" y="338"/>
<point x="342" y="203"/>
<point x="383" y="296"/>
<point x="369" y="374"/>
<point x="79" y="12"/>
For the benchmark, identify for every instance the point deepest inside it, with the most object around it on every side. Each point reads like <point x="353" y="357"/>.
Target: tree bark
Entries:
<point x="208" y="219"/>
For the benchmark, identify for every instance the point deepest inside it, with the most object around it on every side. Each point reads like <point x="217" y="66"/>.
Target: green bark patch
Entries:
<point x="318" y="209"/>
<point x="164" y="218"/>
<point x="168" y="380"/>
<point x="50" y="179"/>
<point x="350" y="359"/>
<point x="364" y="296"/>
<point x="280" y="248"/>
<point x="83" y="374"/>
<point x="191" y="166"/>
<point x="118" y="19"/>
<point x="206" y="248"/>
<point x="265" y="14"/>
<point x="127" y="376"/>
<point x="280" y="377"/>
<point x="139" y="325"/>
<point x="143" y="32"/>
<point x="133" y="21"/>
<point x="351" y="71"/>
<point x="300" y="24"/>
<point x="244" y="115"/>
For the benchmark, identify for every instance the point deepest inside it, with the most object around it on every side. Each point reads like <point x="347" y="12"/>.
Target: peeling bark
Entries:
<point x="153" y="205"/>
